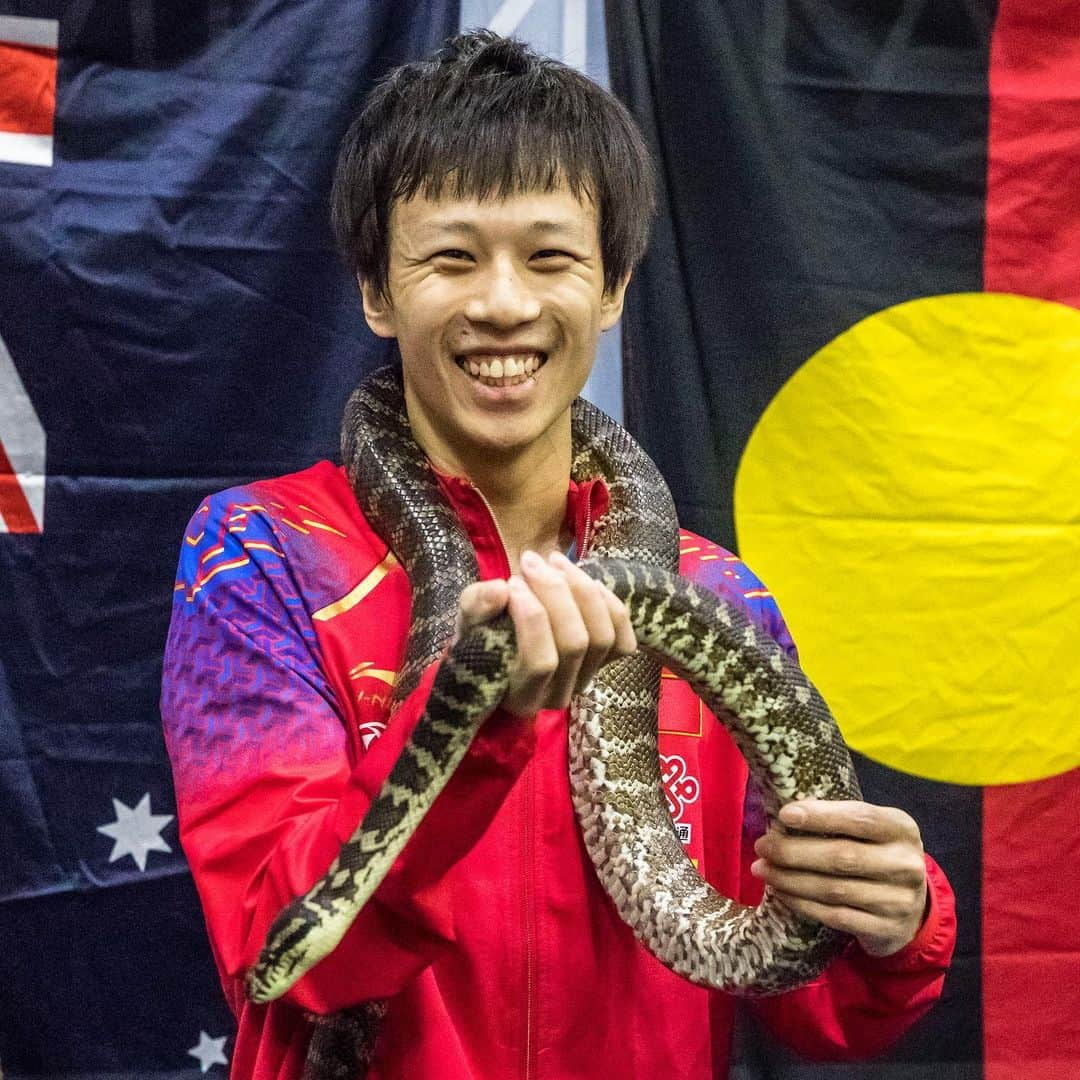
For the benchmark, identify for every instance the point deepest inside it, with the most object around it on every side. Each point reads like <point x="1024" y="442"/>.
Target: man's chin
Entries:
<point x="503" y="439"/>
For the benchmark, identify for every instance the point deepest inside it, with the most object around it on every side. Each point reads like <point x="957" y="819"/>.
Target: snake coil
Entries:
<point x="775" y="716"/>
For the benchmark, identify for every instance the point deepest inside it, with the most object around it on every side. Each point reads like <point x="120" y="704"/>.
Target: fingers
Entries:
<point x="875" y="934"/>
<point x="537" y="656"/>
<point x="886" y="899"/>
<point x="852" y="866"/>
<point x="568" y="626"/>
<point x="605" y="618"/>
<point x="863" y="821"/>
<point x="480" y="601"/>
<point x="900" y="864"/>
<point x="570" y="633"/>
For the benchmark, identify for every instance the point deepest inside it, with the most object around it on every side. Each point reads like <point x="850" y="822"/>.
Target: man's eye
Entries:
<point x="452" y="253"/>
<point x="552" y="254"/>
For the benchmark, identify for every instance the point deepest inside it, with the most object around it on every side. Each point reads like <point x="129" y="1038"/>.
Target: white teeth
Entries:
<point x="506" y="370"/>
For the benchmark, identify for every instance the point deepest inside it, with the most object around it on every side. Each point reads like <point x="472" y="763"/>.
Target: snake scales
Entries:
<point x="775" y="716"/>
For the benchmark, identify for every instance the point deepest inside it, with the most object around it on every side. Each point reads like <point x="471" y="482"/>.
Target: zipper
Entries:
<point x="495" y="522"/>
<point x="528" y="912"/>
<point x="528" y="902"/>
<point x="585" y="533"/>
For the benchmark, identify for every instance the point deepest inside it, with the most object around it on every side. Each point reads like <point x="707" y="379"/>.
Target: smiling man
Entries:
<point x="492" y="205"/>
<point x="497" y="307"/>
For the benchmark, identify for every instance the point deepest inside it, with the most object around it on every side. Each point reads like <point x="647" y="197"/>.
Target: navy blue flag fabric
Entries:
<point x="173" y="319"/>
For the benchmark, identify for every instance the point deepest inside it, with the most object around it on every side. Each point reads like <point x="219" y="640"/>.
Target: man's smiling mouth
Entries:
<point x="508" y="369"/>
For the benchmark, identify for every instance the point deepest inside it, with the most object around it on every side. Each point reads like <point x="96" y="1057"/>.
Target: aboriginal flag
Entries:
<point x="173" y="320"/>
<point x="854" y="351"/>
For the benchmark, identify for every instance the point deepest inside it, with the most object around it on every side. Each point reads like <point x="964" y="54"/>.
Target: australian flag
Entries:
<point x="173" y="319"/>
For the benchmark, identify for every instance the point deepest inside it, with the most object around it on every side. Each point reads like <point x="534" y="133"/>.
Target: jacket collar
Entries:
<point x="586" y="502"/>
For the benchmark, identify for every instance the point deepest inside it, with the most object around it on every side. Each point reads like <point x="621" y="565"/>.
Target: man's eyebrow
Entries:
<point x="564" y="228"/>
<point x="468" y="228"/>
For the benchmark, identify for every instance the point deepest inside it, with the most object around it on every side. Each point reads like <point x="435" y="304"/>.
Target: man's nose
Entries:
<point x="502" y="297"/>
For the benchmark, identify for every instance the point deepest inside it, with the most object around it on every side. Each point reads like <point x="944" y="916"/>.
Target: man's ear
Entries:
<point x="611" y="304"/>
<point x="378" y="311"/>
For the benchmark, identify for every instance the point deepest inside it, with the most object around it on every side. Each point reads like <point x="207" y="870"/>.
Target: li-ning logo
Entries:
<point x="369" y="731"/>
<point x="372" y="727"/>
<point x="680" y="789"/>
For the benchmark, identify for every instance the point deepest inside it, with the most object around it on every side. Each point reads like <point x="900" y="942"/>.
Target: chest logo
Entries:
<point x="681" y="789"/>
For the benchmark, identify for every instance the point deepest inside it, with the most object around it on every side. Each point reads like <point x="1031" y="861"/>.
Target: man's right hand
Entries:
<point x="567" y="625"/>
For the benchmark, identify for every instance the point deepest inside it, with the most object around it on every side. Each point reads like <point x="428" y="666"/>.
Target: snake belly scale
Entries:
<point x="775" y="716"/>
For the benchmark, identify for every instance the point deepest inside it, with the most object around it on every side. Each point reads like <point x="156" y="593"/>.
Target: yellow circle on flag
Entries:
<point x="912" y="498"/>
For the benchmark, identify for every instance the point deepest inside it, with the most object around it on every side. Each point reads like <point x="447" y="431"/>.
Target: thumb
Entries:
<point x="480" y="601"/>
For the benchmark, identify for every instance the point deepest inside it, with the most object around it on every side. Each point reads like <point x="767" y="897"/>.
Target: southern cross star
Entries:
<point x="209" y="1051"/>
<point x="136" y="831"/>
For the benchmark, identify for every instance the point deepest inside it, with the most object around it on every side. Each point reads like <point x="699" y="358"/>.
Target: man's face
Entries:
<point x="497" y="308"/>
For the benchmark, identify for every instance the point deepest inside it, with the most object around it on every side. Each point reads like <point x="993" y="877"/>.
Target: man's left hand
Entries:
<point x="852" y="866"/>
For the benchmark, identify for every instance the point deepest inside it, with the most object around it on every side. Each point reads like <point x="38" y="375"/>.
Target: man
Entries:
<point x="492" y="205"/>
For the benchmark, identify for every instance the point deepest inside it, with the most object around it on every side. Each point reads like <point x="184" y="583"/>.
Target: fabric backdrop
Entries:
<point x="854" y="351"/>
<point x="173" y="320"/>
<point x="178" y="322"/>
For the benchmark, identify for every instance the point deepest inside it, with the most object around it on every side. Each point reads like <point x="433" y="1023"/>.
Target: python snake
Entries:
<point x="775" y="716"/>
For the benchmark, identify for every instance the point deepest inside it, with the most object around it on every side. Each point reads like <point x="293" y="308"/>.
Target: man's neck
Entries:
<point x="529" y="505"/>
<point x="526" y="493"/>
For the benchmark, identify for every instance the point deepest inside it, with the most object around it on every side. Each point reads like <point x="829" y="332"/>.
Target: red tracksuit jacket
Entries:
<point x="502" y="954"/>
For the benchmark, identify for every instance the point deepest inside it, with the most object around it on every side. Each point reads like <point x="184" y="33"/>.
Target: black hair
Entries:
<point x="489" y="117"/>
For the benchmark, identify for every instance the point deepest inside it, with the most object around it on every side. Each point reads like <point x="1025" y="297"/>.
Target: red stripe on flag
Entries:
<point x="14" y="509"/>
<point x="1033" y="198"/>
<point x="1031" y="947"/>
<point x="1031" y="845"/>
<point x="27" y="89"/>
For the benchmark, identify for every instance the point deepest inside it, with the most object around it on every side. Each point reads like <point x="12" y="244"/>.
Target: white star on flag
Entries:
<point x="209" y="1051"/>
<point x="136" y="832"/>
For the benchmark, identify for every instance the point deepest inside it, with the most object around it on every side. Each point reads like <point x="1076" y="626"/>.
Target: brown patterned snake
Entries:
<point x="775" y="716"/>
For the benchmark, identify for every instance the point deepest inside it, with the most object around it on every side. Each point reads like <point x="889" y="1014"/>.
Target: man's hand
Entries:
<point x="568" y="626"/>
<point x="859" y="869"/>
